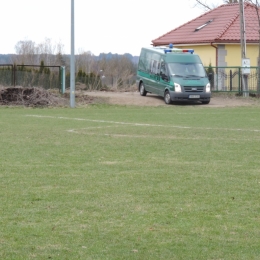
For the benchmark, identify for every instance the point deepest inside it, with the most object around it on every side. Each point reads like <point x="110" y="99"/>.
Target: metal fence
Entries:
<point x="230" y="79"/>
<point x="224" y="79"/>
<point x="30" y="76"/>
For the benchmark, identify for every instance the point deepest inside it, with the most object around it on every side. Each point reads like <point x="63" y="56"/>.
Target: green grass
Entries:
<point x="121" y="182"/>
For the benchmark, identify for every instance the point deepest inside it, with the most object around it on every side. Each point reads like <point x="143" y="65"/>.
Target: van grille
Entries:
<point x="193" y="89"/>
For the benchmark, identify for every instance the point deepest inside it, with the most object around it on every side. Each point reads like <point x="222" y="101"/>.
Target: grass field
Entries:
<point x="122" y="182"/>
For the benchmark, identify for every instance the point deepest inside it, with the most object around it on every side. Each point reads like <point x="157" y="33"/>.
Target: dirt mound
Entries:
<point x="30" y="97"/>
<point x="39" y="97"/>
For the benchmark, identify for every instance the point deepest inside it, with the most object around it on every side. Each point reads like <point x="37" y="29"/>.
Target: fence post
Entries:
<point x="239" y="80"/>
<point x="14" y="74"/>
<point x="230" y="75"/>
<point x="63" y="81"/>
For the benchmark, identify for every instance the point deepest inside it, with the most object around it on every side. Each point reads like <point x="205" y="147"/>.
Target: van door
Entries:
<point x="144" y="69"/>
<point x="164" y="78"/>
<point x="154" y="76"/>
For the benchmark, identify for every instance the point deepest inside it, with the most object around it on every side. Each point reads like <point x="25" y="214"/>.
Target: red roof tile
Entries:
<point x="223" y="27"/>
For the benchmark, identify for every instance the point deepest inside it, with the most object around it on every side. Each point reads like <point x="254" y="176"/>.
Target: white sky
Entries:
<point x="117" y="26"/>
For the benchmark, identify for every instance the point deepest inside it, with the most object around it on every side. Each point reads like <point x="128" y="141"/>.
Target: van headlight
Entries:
<point x="208" y="87"/>
<point x="177" y="87"/>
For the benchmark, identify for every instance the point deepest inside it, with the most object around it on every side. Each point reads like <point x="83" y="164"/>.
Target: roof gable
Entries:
<point x="221" y="24"/>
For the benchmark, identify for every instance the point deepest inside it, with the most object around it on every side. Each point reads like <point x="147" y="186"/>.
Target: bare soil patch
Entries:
<point x="134" y="98"/>
<point x="39" y="97"/>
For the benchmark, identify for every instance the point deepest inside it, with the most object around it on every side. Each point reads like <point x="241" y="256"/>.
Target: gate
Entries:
<point x="229" y="79"/>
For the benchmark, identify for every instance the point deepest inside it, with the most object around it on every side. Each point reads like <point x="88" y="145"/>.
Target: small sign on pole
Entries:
<point x="245" y="66"/>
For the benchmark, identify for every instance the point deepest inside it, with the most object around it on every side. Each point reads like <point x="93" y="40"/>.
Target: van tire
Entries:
<point x="167" y="97"/>
<point x="205" y="102"/>
<point x="143" y="92"/>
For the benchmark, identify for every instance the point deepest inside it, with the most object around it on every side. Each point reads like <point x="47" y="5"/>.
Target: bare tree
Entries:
<point x="120" y="71"/>
<point x="115" y="71"/>
<point x="85" y="61"/>
<point x="88" y="71"/>
<point x="26" y="51"/>
<point x="209" y="5"/>
<point x="46" y="51"/>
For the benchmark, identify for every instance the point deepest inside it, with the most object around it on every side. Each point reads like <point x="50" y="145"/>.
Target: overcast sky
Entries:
<point x="117" y="26"/>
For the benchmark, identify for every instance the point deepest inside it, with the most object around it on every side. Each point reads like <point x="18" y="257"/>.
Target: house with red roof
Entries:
<point x="215" y="35"/>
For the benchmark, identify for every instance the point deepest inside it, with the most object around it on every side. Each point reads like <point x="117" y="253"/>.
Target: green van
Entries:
<point x="175" y="74"/>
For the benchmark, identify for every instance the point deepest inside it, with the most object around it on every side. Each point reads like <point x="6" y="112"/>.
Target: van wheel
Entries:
<point x="143" y="92"/>
<point x="205" y="102"/>
<point x="167" y="97"/>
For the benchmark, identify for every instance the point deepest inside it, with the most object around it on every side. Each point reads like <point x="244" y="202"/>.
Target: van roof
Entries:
<point x="166" y="49"/>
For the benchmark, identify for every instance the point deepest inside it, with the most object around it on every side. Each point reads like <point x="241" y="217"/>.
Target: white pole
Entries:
<point x="72" y="60"/>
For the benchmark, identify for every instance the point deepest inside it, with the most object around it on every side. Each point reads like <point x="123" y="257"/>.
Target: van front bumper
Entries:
<point x="190" y="96"/>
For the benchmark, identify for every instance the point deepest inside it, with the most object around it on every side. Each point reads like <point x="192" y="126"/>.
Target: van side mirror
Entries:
<point x="210" y="76"/>
<point x="164" y="77"/>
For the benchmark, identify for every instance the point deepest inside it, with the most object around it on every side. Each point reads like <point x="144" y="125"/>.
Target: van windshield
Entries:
<point x="178" y="69"/>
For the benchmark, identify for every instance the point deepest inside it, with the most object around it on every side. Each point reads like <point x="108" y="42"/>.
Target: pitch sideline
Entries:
<point x="139" y="124"/>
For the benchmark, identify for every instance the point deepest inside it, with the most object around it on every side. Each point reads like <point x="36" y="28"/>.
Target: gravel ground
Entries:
<point x="134" y="98"/>
<point x="40" y="97"/>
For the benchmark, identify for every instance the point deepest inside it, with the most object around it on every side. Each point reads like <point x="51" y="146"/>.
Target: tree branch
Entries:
<point x="204" y="4"/>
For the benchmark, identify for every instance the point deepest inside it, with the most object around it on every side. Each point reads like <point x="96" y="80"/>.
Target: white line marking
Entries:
<point x="139" y="124"/>
<point x="104" y="121"/>
<point x="73" y="131"/>
<point x="77" y="131"/>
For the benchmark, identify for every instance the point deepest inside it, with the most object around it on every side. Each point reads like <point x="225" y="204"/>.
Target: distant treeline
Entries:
<point x="105" y="71"/>
<point x="9" y="58"/>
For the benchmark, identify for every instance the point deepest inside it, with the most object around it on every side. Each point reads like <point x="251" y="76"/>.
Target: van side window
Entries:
<point x="142" y="59"/>
<point x="163" y="71"/>
<point x="155" y="63"/>
<point x="154" y="67"/>
<point x="148" y="57"/>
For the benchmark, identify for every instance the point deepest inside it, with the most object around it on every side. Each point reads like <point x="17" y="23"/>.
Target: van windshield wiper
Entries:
<point x="177" y="75"/>
<point x="197" y="76"/>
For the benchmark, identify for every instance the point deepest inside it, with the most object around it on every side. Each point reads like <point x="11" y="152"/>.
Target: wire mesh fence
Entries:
<point x="6" y="75"/>
<point x="46" y="77"/>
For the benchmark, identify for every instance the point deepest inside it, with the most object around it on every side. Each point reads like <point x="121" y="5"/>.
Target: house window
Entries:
<point x="203" y="25"/>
